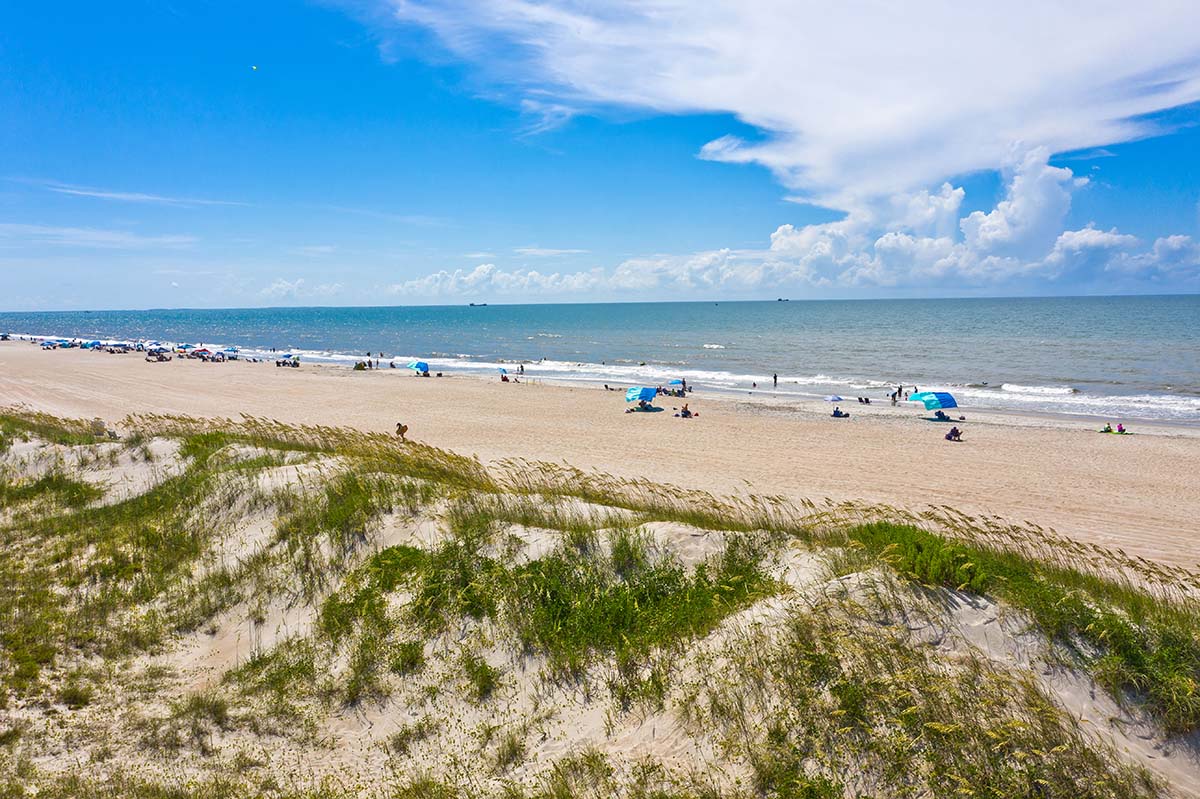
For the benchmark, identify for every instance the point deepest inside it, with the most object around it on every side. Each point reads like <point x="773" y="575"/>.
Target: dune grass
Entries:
<point x="24" y="425"/>
<point x="55" y="487"/>
<point x="1133" y="644"/>
<point x="573" y="605"/>
<point x="577" y="604"/>
<point x="830" y="700"/>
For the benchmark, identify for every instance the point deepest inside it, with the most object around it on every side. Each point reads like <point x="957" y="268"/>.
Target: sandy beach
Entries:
<point x="1140" y="493"/>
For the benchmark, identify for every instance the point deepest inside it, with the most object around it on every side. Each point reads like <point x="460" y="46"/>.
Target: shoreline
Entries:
<point x="484" y="371"/>
<point x="1140" y="492"/>
<point x="1140" y="403"/>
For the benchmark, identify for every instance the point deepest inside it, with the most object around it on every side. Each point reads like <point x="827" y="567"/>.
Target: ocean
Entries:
<point x="1124" y="357"/>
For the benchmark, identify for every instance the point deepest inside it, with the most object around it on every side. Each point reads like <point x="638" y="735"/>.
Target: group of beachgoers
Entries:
<point x="155" y="351"/>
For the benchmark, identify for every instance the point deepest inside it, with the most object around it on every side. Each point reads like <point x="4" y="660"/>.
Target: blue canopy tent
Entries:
<point x="934" y="400"/>
<point x="419" y="366"/>
<point x="638" y="393"/>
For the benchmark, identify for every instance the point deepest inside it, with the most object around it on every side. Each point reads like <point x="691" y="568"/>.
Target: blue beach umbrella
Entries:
<point x="675" y="382"/>
<point x="638" y="393"/>
<point x="933" y="400"/>
<point x="503" y="371"/>
<point x="834" y="398"/>
<point x="419" y="366"/>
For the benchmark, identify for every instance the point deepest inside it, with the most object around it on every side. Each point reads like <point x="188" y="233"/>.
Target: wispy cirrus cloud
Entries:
<point x="546" y="252"/>
<point x="314" y="250"/>
<point x="128" y="196"/>
<point x="852" y="99"/>
<point x="544" y="116"/>
<point x="417" y="220"/>
<point x="87" y="237"/>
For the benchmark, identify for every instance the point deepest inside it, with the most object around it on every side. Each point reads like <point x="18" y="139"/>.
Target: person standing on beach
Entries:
<point x="775" y="381"/>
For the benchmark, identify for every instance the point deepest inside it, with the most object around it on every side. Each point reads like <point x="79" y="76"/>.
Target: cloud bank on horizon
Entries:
<point x="863" y="111"/>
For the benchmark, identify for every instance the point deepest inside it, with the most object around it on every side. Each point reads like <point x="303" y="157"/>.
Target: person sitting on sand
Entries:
<point x="838" y="413"/>
<point x="954" y="435"/>
<point x="1120" y="428"/>
<point x="401" y="430"/>
<point x="685" y="412"/>
<point x="503" y="378"/>
<point x="1107" y="428"/>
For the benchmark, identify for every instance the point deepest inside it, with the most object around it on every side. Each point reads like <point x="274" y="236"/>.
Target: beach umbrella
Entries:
<point x="638" y="393"/>
<point x="503" y="371"/>
<point x="933" y="400"/>
<point x="834" y="398"/>
<point x="675" y="382"/>
<point x="419" y="366"/>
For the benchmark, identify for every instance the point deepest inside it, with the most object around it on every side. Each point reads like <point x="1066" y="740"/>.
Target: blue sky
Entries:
<point x="500" y="150"/>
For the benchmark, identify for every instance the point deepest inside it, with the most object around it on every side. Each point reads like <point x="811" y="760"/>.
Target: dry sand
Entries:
<point x="1140" y="493"/>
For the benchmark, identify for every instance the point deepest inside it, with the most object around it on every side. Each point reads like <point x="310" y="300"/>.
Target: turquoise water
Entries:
<point x="1138" y="357"/>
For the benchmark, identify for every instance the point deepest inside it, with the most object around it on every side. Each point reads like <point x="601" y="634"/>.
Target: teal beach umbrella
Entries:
<point x="638" y="393"/>
<point x="934" y="400"/>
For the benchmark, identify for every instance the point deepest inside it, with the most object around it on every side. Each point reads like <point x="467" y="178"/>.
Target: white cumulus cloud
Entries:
<point x="919" y="240"/>
<point x="281" y="289"/>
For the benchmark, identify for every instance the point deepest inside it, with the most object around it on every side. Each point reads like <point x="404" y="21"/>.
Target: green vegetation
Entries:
<point x="830" y="694"/>
<point x="400" y="742"/>
<point x="483" y="677"/>
<point x="1132" y="643"/>
<point x="44" y="427"/>
<point x="573" y="605"/>
<point x="54" y="487"/>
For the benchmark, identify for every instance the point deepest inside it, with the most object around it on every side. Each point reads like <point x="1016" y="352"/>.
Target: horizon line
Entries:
<point x="489" y="303"/>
